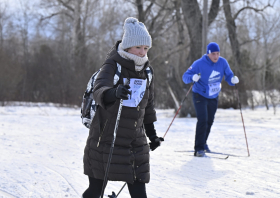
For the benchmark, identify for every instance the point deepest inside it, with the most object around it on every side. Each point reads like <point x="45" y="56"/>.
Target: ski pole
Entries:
<point x="242" y="119"/>
<point x="178" y="110"/>
<point x="113" y="193"/>
<point x="112" y="145"/>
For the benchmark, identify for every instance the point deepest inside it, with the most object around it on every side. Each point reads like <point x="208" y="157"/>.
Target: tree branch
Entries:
<point x="251" y="8"/>
<point x="55" y="14"/>
<point x="148" y="10"/>
<point x="157" y="16"/>
<point x="213" y="11"/>
<point x="249" y="41"/>
<point x="67" y="6"/>
<point x="48" y="17"/>
<point x="170" y="52"/>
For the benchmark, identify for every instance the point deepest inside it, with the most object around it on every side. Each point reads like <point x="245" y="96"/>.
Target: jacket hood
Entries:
<point x="129" y="64"/>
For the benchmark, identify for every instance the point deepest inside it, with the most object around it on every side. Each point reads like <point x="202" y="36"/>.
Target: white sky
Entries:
<point x="16" y="4"/>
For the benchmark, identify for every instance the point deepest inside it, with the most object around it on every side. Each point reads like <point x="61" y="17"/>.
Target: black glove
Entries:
<point x="155" y="142"/>
<point x="152" y="135"/>
<point x="122" y="92"/>
<point x="113" y="195"/>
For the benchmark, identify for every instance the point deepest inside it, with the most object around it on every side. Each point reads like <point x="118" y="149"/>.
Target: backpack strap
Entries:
<point x="92" y="81"/>
<point x="149" y="73"/>
<point x="117" y="74"/>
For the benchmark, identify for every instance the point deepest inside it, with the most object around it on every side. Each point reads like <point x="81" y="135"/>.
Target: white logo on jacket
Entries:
<point x="214" y="76"/>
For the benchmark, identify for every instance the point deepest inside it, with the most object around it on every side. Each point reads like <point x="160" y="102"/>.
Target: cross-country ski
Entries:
<point x="211" y="156"/>
<point x="208" y="155"/>
<point x="213" y="152"/>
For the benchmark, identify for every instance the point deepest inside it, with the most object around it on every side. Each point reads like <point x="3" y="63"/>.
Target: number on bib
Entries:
<point x="214" y="88"/>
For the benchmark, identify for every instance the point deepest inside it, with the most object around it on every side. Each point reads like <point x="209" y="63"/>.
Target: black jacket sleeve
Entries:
<point x="150" y="130"/>
<point x="104" y="82"/>
<point x="109" y="96"/>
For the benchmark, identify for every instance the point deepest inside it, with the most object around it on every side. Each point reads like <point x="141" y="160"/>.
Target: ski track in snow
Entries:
<point x="5" y="194"/>
<point x="42" y="155"/>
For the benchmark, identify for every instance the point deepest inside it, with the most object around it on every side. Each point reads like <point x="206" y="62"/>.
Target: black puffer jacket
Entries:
<point x="130" y="160"/>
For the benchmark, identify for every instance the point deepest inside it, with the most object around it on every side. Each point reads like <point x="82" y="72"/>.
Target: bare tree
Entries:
<point x="193" y="21"/>
<point x="155" y="15"/>
<point x="77" y="34"/>
<point x="270" y="34"/>
<point x="10" y="70"/>
<point x="3" y="20"/>
<point x="163" y="19"/>
<point x="78" y="12"/>
<point x="204" y="26"/>
<point x="235" y="45"/>
<point x="24" y="18"/>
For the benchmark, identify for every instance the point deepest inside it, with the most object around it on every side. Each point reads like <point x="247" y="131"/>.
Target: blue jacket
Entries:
<point x="209" y="85"/>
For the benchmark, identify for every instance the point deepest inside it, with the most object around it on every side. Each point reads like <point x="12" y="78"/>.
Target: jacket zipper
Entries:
<point x="102" y="132"/>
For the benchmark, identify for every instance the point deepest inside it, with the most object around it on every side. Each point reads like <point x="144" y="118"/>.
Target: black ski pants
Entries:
<point x="205" y="111"/>
<point x="136" y="190"/>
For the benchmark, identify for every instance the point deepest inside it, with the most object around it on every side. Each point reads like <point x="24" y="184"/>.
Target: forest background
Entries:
<point x="50" y="48"/>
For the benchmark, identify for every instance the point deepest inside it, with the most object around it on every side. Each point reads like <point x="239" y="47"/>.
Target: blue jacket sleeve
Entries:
<point x="228" y="73"/>
<point x="187" y="76"/>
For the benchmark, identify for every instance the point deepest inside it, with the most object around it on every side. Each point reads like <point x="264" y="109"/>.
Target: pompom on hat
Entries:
<point x="212" y="47"/>
<point x="135" y="34"/>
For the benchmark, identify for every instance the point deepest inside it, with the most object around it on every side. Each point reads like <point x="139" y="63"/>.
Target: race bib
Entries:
<point x="137" y="88"/>
<point x="214" y="88"/>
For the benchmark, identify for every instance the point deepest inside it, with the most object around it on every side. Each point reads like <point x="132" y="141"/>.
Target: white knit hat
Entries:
<point x="135" y="34"/>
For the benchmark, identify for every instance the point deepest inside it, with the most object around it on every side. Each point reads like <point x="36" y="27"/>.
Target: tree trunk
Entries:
<point x="232" y="34"/>
<point x="76" y="35"/>
<point x="193" y="19"/>
<point x="141" y="13"/>
<point x="231" y="26"/>
<point x="264" y="73"/>
<point x="204" y="26"/>
<point x="177" y="4"/>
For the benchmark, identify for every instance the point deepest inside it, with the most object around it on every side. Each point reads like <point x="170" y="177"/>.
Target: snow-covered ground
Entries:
<point x="41" y="152"/>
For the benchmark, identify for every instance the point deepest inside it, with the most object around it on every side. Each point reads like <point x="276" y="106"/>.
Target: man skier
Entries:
<point x="207" y="73"/>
